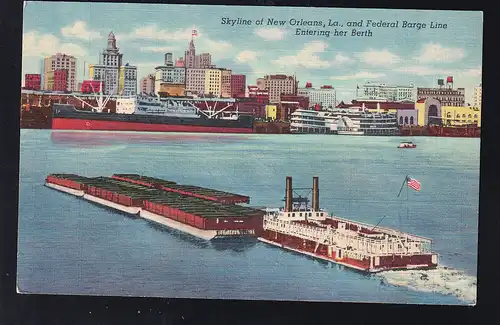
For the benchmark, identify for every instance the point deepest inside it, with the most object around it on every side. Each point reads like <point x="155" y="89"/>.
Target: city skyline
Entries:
<point x="392" y="56"/>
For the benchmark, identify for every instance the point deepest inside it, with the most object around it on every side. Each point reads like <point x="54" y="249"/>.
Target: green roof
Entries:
<point x="188" y="188"/>
<point x="137" y="177"/>
<point x="189" y="204"/>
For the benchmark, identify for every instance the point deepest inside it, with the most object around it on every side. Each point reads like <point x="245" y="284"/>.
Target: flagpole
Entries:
<point x="407" y="209"/>
<point x="404" y="182"/>
<point x="379" y="222"/>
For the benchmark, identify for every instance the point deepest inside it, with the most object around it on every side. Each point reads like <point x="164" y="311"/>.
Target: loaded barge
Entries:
<point x="313" y="232"/>
<point x="201" y="212"/>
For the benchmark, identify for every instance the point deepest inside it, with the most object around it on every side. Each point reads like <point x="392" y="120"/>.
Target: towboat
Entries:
<point x="407" y="145"/>
<point x="311" y="230"/>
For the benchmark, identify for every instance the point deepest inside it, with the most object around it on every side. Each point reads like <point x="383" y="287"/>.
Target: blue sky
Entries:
<point x="146" y="31"/>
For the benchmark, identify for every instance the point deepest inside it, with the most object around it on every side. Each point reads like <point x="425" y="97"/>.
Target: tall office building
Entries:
<point x="60" y="61"/>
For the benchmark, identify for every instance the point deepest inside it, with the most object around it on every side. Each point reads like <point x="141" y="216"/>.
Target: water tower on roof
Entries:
<point x="169" y="61"/>
<point x="449" y="82"/>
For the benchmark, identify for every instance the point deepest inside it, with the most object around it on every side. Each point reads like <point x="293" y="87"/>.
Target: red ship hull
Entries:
<point x="78" y="124"/>
<point x="308" y="247"/>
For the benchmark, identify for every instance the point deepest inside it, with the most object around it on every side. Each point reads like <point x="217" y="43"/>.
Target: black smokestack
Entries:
<point x="315" y="194"/>
<point x="288" y="194"/>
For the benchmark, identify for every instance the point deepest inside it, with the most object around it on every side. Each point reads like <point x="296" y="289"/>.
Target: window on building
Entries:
<point x="406" y="119"/>
<point x="411" y="120"/>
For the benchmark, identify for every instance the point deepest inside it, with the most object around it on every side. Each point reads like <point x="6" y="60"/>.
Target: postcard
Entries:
<point x="230" y="152"/>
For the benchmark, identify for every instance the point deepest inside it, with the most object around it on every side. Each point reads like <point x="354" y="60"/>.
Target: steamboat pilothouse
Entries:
<point x="312" y="231"/>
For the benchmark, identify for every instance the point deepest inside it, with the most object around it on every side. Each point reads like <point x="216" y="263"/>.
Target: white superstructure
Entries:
<point x="347" y="126"/>
<point x="308" y="121"/>
<point x="354" y="120"/>
<point x="318" y="226"/>
<point x="167" y="106"/>
<point x="175" y="107"/>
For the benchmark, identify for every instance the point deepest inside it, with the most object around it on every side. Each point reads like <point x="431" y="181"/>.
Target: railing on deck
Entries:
<point x="387" y="246"/>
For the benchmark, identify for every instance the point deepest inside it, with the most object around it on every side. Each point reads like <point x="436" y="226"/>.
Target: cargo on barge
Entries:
<point x="195" y="191"/>
<point x="312" y="231"/>
<point x="203" y="218"/>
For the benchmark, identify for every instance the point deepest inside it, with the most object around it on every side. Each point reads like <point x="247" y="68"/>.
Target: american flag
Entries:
<point x="413" y="183"/>
<point x="194" y="32"/>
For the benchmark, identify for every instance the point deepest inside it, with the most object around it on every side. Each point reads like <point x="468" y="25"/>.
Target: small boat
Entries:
<point x="407" y="145"/>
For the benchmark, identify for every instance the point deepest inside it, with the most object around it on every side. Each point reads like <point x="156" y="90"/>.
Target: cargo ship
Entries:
<point x="36" y="110"/>
<point x="313" y="232"/>
<point x="153" y="114"/>
<point x="201" y="212"/>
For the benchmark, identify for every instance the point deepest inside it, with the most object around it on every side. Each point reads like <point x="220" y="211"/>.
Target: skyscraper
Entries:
<point x="60" y="61"/>
<point x="116" y="77"/>
<point x="193" y="61"/>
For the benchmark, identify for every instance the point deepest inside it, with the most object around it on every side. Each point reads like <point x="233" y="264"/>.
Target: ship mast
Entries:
<point x="101" y="102"/>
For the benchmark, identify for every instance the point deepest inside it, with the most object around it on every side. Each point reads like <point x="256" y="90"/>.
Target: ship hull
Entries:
<point x="320" y="251"/>
<point x="82" y="124"/>
<point x="67" y="117"/>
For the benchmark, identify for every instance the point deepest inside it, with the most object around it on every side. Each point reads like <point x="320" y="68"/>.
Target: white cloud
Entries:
<point x="342" y="59"/>
<point x="359" y="75"/>
<point x="37" y="46"/>
<point x="178" y="41"/>
<point x="475" y="72"/>
<point x="157" y="49"/>
<point x="421" y="70"/>
<point x="218" y="49"/>
<point x="378" y="57"/>
<point x="79" y="30"/>
<point x="270" y="34"/>
<point x="306" y="57"/>
<point x="41" y="45"/>
<point x="436" y="53"/>
<point x="151" y="32"/>
<point x="246" y="56"/>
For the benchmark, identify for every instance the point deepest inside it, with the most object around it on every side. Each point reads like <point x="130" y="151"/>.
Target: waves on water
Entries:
<point x="444" y="280"/>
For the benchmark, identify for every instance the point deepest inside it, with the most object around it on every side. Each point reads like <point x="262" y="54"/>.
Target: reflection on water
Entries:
<point x="97" y="138"/>
<point x="238" y="245"/>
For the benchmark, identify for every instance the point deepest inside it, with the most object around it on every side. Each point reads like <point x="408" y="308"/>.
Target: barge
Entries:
<point x="195" y="191"/>
<point x="152" y="199"/>
<point x="313" y="232"/>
